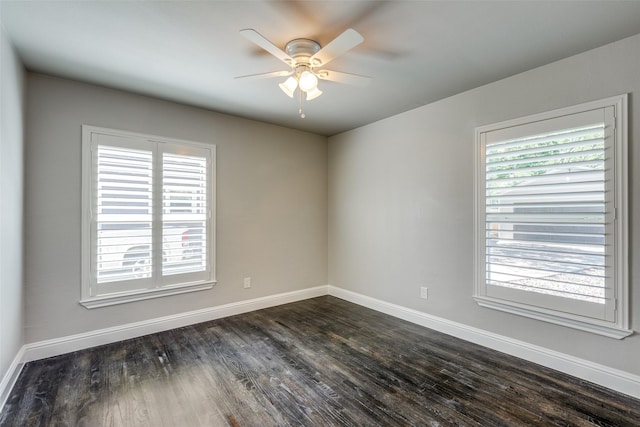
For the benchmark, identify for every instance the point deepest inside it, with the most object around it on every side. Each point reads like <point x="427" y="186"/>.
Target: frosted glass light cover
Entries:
<point x="308" y="81"/>
<point x="289" y="86"/>
<point x="313" y="94"/>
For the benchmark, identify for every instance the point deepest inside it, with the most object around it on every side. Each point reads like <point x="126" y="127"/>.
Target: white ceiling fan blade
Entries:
<point x="266" y="75"/>
<point x="260" y="40"/>
<point x="346" y="41"/>
<point x="337" y="76"/>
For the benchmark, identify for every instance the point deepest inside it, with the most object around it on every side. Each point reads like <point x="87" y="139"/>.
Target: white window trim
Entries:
<point x="86" y="298"/>
<point x="619" y="328"/>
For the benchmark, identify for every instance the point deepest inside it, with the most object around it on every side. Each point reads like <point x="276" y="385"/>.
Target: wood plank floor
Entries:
<point x="319" y="362"/>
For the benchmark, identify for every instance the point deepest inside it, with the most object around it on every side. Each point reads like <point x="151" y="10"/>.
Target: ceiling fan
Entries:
<point x="306" y="59"/>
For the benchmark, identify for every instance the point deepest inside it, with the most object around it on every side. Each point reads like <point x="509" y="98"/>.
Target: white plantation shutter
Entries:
<point x="148" y="224"/>
<point x="124" y="213"/>
<point x="548" y="240"/>
<point x="545" y="213"/>
<point x="184" y="213"/>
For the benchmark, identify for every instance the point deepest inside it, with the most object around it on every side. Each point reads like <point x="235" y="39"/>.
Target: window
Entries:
<point x="551" y="217"/>
<point x="147" y="216"/>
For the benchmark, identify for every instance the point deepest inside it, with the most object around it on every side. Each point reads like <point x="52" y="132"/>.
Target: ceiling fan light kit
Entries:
<point x="305" y="79"/>
<point x="304" y="56"/>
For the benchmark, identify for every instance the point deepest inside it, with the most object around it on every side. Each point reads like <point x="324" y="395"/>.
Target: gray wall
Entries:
<point x="401" y="199"/>
<point x="11" y="203"/>
<point x="271" y="204"/>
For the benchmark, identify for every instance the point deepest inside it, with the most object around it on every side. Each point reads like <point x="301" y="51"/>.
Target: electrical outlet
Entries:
<point x="247" y="282"/>
<point x="424" y="292"/>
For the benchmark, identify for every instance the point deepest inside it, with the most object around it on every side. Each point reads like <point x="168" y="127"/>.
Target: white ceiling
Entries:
<point x="416" y="51"/>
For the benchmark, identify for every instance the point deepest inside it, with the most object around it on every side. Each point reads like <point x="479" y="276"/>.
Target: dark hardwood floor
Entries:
<point x="319" y="362"/>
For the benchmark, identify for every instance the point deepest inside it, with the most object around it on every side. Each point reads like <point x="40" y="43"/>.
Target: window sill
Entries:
<point x="610" y="331"/>
<point x="123" y="298"/>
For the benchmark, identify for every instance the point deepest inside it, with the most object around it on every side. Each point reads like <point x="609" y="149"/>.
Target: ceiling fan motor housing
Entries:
<point x="301" y="50"/>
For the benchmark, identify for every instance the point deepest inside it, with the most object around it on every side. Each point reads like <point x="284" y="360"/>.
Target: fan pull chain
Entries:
<point x="300" y="100"/>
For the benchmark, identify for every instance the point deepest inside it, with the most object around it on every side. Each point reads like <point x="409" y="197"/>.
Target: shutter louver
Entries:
<point x="547" y="214"/>
<point x="124" y="213"/>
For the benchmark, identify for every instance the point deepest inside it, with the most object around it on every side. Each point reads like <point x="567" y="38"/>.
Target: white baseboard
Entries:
<point x="615" y="379"/>
<point x="10" y="377"/>
<point x="621" y="381"/>
<point x="57" y="346"/>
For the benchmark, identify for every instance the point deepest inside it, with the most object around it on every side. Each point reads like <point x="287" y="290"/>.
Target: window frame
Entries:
<point x="159" y="285"/>
<point x="618" y="325"/>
